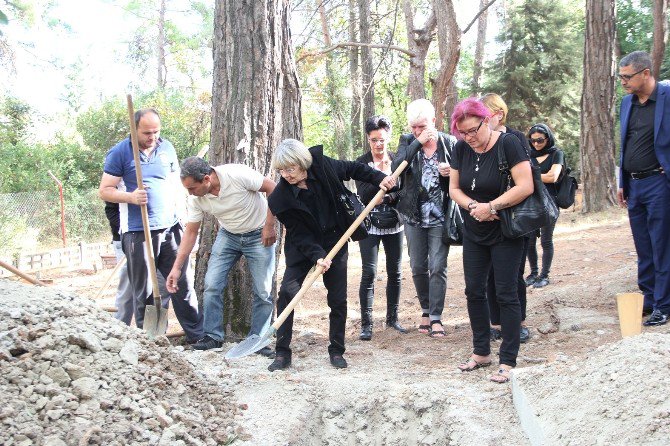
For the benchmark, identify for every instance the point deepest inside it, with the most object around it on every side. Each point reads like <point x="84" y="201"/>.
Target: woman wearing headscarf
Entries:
<point x="475" y="185"/>
<point x="386" y="229"/>
<point x="551" y="160"/>
<point x="306" y="202"/>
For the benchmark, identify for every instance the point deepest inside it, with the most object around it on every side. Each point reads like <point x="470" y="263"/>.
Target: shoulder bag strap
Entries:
<point x="503" y="166"/>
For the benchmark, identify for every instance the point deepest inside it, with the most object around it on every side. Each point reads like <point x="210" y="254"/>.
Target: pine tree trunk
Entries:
<point x="367" y="67"/>
<point x="660" y="35"/>
<point x="598" y="95"/>
<point x="449" y="43"/>
<point x="418" y="42"/>
<point x="482" y="23"/>
<point x="162" y="67"/>
<point x="255" y="104"/>
<point x="357" y="137"/>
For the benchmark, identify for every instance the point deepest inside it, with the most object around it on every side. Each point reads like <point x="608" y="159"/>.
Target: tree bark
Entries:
<point x="482" y="23"/>
<point x="255" y="104"/>
<point x="162" y="67"/>
<point x="598" y="96"/>
<point x="449" y="44"/>
<point x="418" y="41"/>
<point x="334" y="95"/>
<point x="354" y="75"/>
<point x="660" y="35"/>
<point x="367" y="66"/>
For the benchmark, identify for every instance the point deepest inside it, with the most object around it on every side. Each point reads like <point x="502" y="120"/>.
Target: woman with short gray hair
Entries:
<point x="306" y="201"/>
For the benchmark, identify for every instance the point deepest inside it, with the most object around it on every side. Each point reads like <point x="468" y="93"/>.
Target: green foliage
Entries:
<point x="539" y="72"/>
<point x="103" y="126"/>
<point x="14" y="120"/>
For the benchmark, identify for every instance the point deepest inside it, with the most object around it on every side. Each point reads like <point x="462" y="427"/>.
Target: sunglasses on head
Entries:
<point x="537" y="140"/>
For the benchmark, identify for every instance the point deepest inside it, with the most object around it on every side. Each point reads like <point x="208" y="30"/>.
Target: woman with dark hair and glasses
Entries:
<point x="386" y="228"/>
<point x="551" y="160"/>
<point x="475" y="185"/>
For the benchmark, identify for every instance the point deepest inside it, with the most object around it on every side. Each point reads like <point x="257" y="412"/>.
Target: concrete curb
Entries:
<point x="530" y="422"/>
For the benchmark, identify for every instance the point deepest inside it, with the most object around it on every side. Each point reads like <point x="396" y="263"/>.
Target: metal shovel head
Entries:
<point x="251" y="344"/>
<point x="155" y="320"/>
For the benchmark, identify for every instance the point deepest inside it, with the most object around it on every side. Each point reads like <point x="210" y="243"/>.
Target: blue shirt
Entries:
<point x="160" y="174"/>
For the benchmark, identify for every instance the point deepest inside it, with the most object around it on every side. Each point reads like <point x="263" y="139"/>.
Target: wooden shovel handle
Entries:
<point x="21" y="274"/>
<point x="318" y="270"/>
<point x="143" y="208"/>
<point x="116" y="269"/>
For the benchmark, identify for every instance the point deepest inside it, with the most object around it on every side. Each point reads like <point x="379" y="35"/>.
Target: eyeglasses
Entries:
<point x="375" y="142"/>
<point x="537" y="140"/>
<point x="627" y="77"/>
<point x="472" y="132"/>
<point x="290" y="170"/>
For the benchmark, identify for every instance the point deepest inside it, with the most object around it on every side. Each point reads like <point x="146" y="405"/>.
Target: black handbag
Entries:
<point x="534" y="212"/>
<point x="384" y="216"/>
<point x="566" y="189"/>
<point x="452" y="229"/>
<point x="352" y="206"/>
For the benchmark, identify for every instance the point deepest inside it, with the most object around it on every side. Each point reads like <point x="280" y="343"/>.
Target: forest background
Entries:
<point x="66" y="66"/>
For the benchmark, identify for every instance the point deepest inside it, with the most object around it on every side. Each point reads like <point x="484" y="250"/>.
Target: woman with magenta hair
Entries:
<point x="475" y="185"/>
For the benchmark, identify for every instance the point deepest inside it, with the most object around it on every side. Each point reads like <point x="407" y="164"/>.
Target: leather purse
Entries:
<point x="353" y="207"/>
<point x="452" y="229"/>
<point x="384" y="216"/>
<point x="534" y="212"/>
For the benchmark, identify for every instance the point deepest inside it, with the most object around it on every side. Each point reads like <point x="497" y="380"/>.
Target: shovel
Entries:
<point x="155" y="316"/>
<point x="256" y="342"/>
<point x="21" y="274"/>
<point x="116" y="269"/>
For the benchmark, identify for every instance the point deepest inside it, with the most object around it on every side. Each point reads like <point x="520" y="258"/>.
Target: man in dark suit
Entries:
<point x="644" y="185"/>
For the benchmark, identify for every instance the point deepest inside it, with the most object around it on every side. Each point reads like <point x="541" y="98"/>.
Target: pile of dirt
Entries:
<point x="73" y="375"/>
<point x="615" y="395"/>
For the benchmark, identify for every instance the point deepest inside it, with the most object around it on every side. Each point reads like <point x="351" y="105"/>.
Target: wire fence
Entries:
<point x="31" y="221"/>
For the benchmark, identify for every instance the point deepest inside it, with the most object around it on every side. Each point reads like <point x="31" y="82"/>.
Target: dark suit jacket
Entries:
<point x="661" y="131"/>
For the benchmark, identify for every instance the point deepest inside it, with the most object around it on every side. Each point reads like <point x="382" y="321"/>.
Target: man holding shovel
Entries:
<point x="233" y="193"/>
<point x="160" y="170"/>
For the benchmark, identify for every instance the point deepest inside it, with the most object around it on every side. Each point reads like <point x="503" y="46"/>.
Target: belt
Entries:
<point x="646" y="173"/>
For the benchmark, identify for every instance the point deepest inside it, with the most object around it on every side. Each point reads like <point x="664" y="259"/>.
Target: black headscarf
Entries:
<point x="549" y="147"/>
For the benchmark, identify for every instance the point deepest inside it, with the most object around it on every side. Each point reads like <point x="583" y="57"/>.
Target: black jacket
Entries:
<point x="304" y="238"/>
<point x="368" y="191"/>
<point x="410" y="183"/>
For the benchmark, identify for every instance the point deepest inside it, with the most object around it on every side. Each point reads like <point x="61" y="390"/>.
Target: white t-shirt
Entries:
<point x="239" y="207"/>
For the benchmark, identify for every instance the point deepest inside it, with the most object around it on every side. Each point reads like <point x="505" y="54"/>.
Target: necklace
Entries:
<point x="479" y="155"/>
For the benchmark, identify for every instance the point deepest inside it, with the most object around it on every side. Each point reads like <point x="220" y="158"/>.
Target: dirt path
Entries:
<point x="405" y="389"/>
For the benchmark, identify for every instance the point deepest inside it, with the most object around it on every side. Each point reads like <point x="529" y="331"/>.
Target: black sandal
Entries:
<point x="424" y="329"/>
<point x="437" y="333"/>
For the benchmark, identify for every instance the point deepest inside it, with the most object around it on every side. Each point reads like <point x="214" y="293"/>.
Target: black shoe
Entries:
<point x="496" y="334"/>
<point x="531" y="279"/>
<point x="366" y="333"/>
<point x="338" y="362"/>
<point x="524" y="334"/>
<point x="207" y="343"/>
<point x="646" y="311"/>
<point x="396" y="326"/>
<point x="280" y="363"/>
<point x="541" y="282"/>
<point x="267" y="352"/>
<point x="657" y="318"/>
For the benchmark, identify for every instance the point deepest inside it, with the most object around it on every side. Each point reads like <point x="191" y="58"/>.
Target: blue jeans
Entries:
<point x="428" y="260"/>
<point x="227" y="250"/>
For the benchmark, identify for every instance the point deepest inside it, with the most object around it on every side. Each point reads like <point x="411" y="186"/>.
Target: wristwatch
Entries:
<point x="493" y="211"/>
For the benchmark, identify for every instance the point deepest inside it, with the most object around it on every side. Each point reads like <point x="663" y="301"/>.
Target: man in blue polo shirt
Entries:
<point x="160" y="174"/>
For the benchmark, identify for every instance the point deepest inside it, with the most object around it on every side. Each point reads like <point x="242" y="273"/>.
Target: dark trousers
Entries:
<point x="547" y="243"/>
<point x="369" y="248"/>
<point x="649" y="214"/>
<point x="165" y="245"/>
<point x="335" y="280"/>
<point x="494" y="309"/>
<point x="505" y="256"/>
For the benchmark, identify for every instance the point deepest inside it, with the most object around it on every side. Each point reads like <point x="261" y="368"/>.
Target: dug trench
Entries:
<point x="576" y="381"/>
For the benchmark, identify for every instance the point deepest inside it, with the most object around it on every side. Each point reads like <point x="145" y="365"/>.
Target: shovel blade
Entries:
<point x="251" y="344"/>
<point x="155" y="321"/>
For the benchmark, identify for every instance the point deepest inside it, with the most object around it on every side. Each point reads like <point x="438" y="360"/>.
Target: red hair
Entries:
<point x="468" y="108"/>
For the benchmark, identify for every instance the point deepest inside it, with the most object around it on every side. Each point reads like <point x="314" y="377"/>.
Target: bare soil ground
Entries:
<point x="405" y="389"/>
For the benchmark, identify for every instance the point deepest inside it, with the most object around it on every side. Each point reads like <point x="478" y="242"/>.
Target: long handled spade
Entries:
<point x="256" y="342"/>
<point x="155" y="316"/>
<point x="21" y="274"/>
<point x="116" y="269"/>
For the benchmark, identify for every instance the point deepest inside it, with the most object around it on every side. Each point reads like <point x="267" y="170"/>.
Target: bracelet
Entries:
<point x="492" y="209"/>
<point x="473" y="204"/>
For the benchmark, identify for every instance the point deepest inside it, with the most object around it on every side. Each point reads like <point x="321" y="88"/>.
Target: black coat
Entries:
<point x="304" y="237"/>
<point x="408" y="149"/>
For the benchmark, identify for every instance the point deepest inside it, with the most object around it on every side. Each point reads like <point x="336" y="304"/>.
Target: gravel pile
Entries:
<point x="72" y="375"/>
<point x="617" y="395"/>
